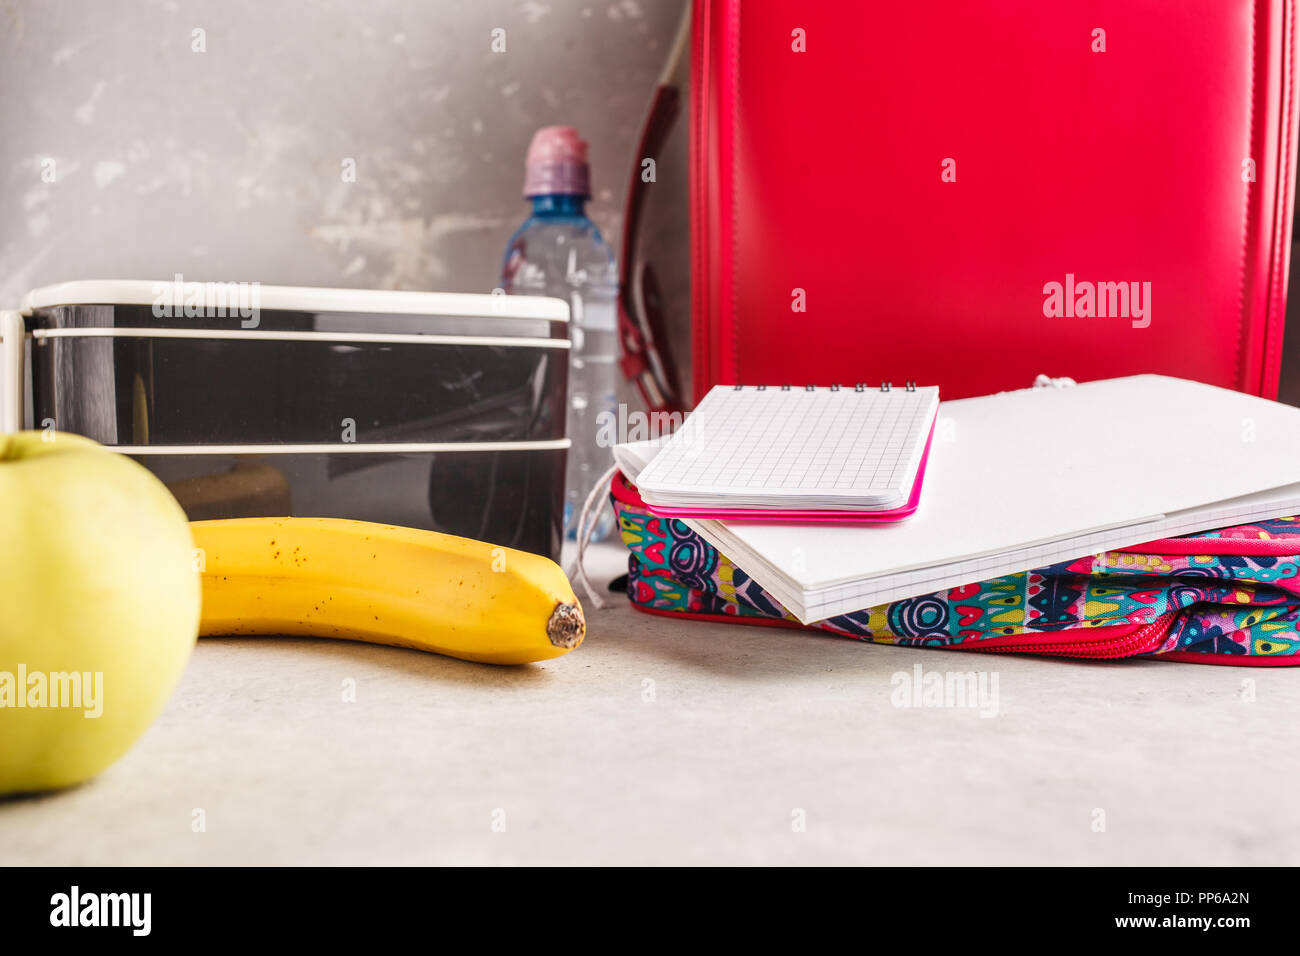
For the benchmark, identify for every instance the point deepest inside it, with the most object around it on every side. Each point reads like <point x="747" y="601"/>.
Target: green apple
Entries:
<point x="99" y="606"/>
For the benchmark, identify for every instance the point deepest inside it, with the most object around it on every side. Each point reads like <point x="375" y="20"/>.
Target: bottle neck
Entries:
<point x="560" y="204"/>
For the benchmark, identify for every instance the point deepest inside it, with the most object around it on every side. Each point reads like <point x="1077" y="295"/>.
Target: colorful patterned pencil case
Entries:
<point x="1230" y="596"/>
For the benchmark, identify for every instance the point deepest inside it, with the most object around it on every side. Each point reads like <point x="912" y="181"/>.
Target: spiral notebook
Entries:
<point x="784" y="453"/>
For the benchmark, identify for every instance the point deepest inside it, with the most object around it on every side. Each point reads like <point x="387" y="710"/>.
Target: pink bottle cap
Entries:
<point x="557" y="163"/>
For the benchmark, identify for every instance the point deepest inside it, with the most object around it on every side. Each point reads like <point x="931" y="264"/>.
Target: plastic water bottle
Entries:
<point x="559" y="252"/>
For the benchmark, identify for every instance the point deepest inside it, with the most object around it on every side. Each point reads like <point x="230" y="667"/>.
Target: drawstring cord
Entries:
<point x="588" y="520"/>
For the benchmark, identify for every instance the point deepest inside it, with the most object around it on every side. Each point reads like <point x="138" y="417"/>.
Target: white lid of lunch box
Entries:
<point x="299" y="299"/>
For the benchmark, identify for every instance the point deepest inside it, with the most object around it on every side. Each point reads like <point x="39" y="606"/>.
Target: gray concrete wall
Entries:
<point x="227" y="163"/>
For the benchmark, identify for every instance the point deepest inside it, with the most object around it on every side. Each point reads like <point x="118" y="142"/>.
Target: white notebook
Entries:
<point x="1023" y="479"/>
<point x="774" y="447"/>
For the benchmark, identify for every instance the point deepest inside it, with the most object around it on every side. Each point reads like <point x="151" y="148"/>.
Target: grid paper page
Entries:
<point x="794" y="443"/>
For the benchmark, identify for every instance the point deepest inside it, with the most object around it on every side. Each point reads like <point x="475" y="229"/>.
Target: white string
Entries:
<point x="588" y="520"/>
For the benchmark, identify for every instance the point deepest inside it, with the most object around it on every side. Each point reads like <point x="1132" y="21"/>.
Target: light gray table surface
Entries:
<point x="663" y="741"/>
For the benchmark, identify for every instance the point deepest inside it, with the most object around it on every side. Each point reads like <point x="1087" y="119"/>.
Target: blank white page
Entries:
<point x="1021" y="468"/>
<point x="795" y="447"/>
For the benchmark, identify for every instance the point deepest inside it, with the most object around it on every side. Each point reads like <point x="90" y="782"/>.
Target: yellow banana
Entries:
<point x="331" y="577"/>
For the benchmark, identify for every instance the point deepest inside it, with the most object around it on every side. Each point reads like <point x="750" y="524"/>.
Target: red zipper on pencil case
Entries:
<point x="1132" y="639"/>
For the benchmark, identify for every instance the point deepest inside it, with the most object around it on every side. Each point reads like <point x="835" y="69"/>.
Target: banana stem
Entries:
<point x="566" y="627"/>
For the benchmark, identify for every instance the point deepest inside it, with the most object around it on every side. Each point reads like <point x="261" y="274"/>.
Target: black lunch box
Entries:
<point x="428" y="410"/>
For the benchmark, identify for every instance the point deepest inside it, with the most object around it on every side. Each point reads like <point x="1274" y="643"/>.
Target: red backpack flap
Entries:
<point x="972" y="194"/>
